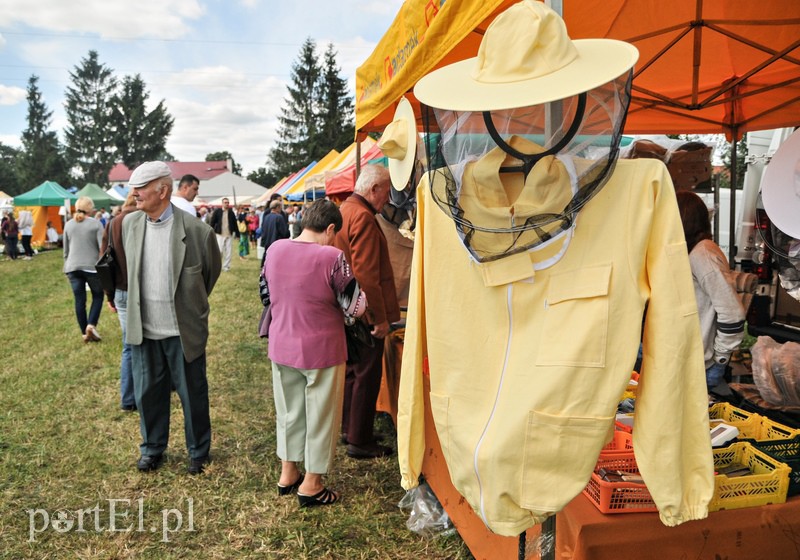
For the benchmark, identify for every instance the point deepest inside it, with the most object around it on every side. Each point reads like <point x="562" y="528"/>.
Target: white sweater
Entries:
<point x="718" y="305"/>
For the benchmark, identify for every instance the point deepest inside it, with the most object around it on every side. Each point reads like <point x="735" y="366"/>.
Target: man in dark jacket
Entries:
<point x="273" y="227"/>
<point x="223" y="221"/>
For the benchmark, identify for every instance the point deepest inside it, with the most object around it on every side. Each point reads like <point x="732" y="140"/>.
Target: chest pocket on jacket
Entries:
<point x="575" y="326"/>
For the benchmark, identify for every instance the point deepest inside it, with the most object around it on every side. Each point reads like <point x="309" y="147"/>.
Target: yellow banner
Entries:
<point x="423" y="33"/>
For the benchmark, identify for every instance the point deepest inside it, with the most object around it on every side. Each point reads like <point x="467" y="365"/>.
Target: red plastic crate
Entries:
<point x="621" y="443"/>
<point x="618" y="497"/>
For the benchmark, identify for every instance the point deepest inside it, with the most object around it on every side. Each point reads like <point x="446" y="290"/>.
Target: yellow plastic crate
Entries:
<point x="774" y="430"/>
<point x="767" y="485"/>
<point x="748" y="423"/>
<point x="786" y="451"/>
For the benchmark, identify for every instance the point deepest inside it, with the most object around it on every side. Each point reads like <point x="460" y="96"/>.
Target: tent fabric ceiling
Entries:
<point x="706" y="66"/>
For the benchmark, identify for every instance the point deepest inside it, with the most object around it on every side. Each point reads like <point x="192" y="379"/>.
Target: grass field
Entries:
<point x="68" y="453"/>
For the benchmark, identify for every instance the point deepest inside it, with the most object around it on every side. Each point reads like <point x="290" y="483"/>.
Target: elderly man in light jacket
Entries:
<point x="173" y="264"/>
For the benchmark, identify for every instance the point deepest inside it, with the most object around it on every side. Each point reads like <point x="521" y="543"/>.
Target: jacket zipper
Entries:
<point x="509" y="291"/>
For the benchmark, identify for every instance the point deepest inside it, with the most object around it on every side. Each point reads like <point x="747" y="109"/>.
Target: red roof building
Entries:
<point x="203" y="170"/>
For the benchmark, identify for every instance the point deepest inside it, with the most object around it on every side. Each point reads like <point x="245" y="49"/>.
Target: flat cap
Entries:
<point x="148" y="171"/>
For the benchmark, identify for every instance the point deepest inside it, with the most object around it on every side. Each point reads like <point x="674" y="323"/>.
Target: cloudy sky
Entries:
<point x="221" y="66"/>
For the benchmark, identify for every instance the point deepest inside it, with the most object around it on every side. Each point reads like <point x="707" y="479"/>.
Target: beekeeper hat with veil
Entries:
<point x="522" y="136"/>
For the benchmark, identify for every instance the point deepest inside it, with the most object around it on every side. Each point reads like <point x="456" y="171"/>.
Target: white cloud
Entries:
<point x="382" y="7"/>
<point x="2" y="41"/>
<point x="10" y="140"/>
<point x="149" y="18"/>
<point x="12" y="95"/>
<point x="219" y="108"/>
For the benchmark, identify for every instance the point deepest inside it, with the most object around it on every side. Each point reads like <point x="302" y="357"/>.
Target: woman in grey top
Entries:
<point x="82" y="238"/>
<point x="718" y="305"/>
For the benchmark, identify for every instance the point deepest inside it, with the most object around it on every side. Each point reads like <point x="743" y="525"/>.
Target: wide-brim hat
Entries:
<point x="525" y="58"/>
<point x="780" y="187"/>
<point x="399" y="144"/>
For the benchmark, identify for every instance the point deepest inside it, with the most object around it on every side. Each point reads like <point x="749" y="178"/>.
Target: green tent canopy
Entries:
<point x="100" y="197"/>
<point x="48" y="193"/>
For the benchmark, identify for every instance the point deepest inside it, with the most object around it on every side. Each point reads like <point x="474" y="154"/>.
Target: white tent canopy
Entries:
<point x="231" y="186"/>
<point x="240" y="200"/>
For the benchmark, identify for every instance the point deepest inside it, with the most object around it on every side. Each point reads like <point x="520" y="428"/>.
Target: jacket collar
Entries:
<point x="360" y="199"/>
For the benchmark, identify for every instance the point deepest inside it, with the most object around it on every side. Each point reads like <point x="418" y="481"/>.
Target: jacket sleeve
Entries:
<point x="100" y="235"/>
<point x="104" y="240"/>
<point x="212" y="262"/>
<point x="365" y="252"/>
<point x="672" y="400"/>
<point x="411" y="400"/>
<point x="728" y="307"/>
<point x="284" y="230"/>
<point x="65" y="242"/>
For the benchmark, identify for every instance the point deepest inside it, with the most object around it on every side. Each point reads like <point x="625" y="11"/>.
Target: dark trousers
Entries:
<point x="26" y="245"/>
<point x="11" y="246"/>
<point x="361" y="387"/>
<point x="158" y="365"/>
<point x="78" y="279"/>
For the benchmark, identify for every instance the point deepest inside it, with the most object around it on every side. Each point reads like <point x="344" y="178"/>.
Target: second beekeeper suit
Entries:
<point x="536" y="252"/>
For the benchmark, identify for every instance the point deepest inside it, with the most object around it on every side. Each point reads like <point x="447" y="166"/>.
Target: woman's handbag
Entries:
<point x="266" y="315"/>
<point x="358" y="338"/>
<point x="106" y="267"/>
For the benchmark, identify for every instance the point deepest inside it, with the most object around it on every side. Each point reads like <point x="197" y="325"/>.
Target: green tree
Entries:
<point x="89" y="133"/>
<point x="264" y="178"/>
<point x="337" y="130"/>
<point x="225" y="156"/>
<point x="139" y="135"/>
<point x="298" y="130"/>
<point x="8" y="171"/>
<point x="41" y="158"/>
<point x="741" y="165"/>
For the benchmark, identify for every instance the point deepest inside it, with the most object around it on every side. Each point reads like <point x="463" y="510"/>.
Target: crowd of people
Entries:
<point x="168" y="256"/>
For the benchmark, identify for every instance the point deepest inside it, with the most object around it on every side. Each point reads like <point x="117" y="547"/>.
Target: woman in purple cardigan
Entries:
<point x="310" y="290"/>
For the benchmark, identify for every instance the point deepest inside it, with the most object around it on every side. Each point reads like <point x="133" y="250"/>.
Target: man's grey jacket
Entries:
<point x="196" y="265"/>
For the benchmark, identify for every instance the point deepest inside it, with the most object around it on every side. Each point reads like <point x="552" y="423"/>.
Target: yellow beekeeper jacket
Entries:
<point x="529" y="354"/>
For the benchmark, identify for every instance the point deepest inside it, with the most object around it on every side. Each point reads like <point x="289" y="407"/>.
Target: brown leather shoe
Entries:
<point x="368" y="451"/>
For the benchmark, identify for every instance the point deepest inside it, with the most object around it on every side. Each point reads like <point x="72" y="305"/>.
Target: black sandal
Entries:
<point x="324" y="497"/>
<point x="286" y="490"/>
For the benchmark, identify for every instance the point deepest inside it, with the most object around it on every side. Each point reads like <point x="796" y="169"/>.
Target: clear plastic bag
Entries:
<point x="776" y="371"/>
<point x="426" y="516"/>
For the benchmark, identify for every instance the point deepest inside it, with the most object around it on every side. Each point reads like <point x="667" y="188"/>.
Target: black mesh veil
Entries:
<point x="568" y="148"/>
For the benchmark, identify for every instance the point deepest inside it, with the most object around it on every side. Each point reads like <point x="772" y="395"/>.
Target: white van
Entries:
<point x="773" y="312"/>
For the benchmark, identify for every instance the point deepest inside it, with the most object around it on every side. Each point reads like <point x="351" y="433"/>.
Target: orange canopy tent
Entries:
<point x="705" y="66"/>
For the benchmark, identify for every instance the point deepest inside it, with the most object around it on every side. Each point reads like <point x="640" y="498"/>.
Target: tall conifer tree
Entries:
<point x="139" y="135"/>
<point x="40" y="158"/>
<point x="337" y="130"/>
<point x="298" y="130"/>
<point x="89" y="133"/>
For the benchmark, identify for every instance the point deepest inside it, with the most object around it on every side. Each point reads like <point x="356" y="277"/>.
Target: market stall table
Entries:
<point x="583" y="533"/>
